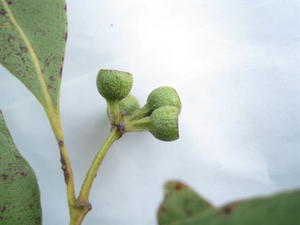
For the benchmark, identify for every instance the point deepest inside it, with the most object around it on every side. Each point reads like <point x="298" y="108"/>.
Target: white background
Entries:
<point x="236" y="67"/>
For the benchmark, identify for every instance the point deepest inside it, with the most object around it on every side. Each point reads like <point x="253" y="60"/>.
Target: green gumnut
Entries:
<point x="163" y="96"/>
<point x="159" y="97"/>
<point x="129" y="104"/>
<point x="164" y="123"/>
<point x="114" y="84"/>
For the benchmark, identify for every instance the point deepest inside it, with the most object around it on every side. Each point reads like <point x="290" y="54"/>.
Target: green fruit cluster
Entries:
<point x="159" y="115"/>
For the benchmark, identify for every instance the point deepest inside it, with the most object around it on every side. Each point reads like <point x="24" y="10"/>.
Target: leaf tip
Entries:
<point x="174" y="185"/>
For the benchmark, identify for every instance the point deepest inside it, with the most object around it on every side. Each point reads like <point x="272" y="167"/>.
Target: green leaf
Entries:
<point x="32" y="42"/>
<point x="180" y="203"/>
<point x="19" y="191"/>
<point x="279" y="209"/>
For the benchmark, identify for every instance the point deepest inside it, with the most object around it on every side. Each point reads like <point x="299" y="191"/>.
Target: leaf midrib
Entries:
<point x="34" y="58"/>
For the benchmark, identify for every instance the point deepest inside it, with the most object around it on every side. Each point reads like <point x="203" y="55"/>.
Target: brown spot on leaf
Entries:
<point x="2" y="12"/>
<point x="18" y="156"/>
<point x="9" y="2"/>
<point x="3" y="209"/>
<point x="179" y="186"/>
<point x="49" y="60"/>
<point x="30" y="205"/>
<point x="66" y="36"/>
<point x="23" y="48"/>
<point x="10" y="38"/>
<point x="49" y="86"/>
<point x="23" y="174"/>
<point x="51" y="78"/>
<point x="5" y="176"/>
<point x="162" y="209"/>
<point x="65" y="7"/>
<point x="47" y="63"/>
<point x="61" y="70"/>
<point x="188" y="212"/>
<point x="227" y="209"/>
<point x="38" y="220"/>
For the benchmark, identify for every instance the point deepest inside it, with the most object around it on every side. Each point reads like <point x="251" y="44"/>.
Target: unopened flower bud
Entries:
<point x="164" y="123"/>
<point x="129" y="104"/>
<point x="114" y="84"/>
<point x="163" y="96"/>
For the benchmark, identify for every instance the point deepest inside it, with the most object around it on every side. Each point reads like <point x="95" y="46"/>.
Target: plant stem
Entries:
<point x="55" y="122"/>
<point x="140" y="113"/>
<point x="113" y="110"/>
<point x="78" y="207"/>
<point x="92" y="172"/>
<point x="78" y="214"/>
<point x="138" y="125"/>
<point x="82" y="205"/>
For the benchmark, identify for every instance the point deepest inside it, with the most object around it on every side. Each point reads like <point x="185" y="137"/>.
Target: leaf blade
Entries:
<point x="19" y="191"/>
<point x="32" y="45"/>
<point x="180" y="203"/>
<point x="278" y="209"/>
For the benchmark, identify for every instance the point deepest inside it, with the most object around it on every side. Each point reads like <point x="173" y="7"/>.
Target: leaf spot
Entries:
<point x="23" y="48"/>
<point x="23" y="174"/>
<point x="162" y="209"/>
<point x="10" y="38"/>
<point x="179" y="186"/>
<point x="5" y="176"/>
<point x="60" y="71"/>
<point x="2" y="12"/>
<point x="3" y="209"/>
<point x="227" y="210"/>
<point x="38" y="220"/>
